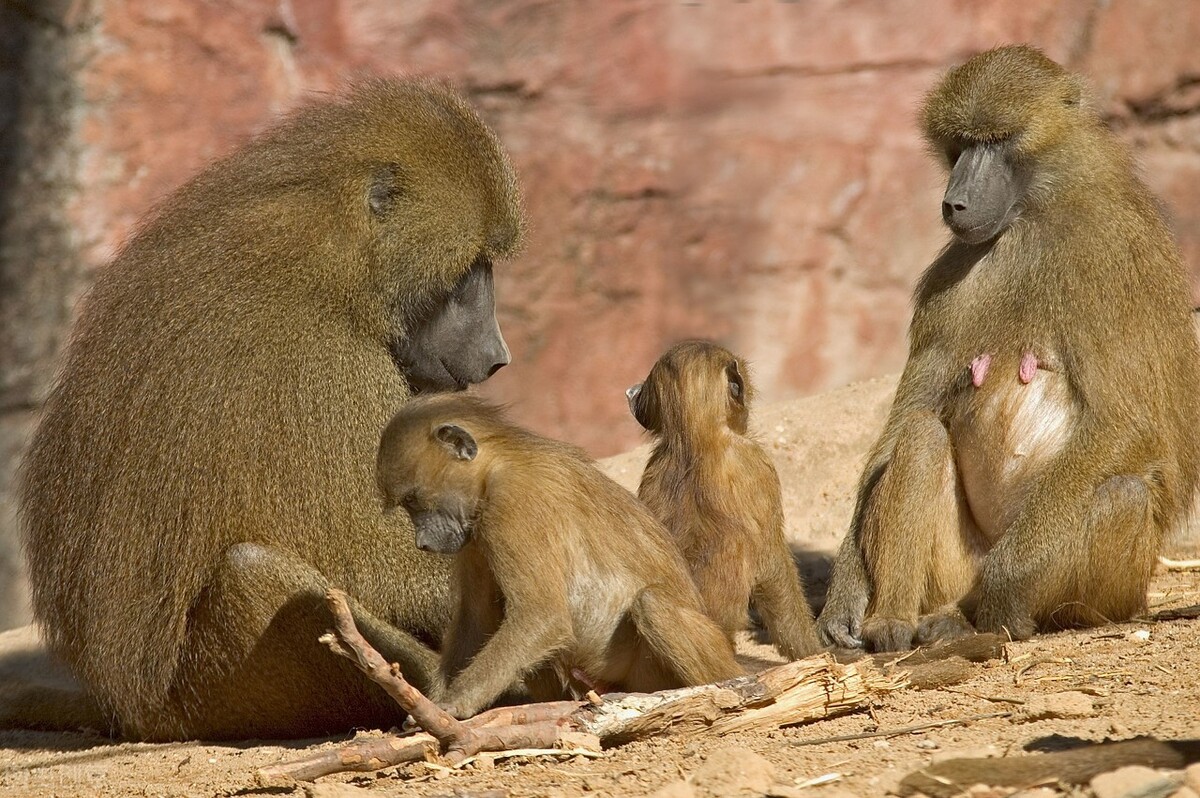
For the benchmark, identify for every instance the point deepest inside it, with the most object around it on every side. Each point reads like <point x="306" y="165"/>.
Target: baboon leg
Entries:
<point x="544" y="684"/>
<point x="1106" y="575"/>
<point x="784" y="609"/>
<point x="913" y="506"/>
<point x="252" y="665"/>
<point x="952" y="573"/>
<point x="690" y="648"/>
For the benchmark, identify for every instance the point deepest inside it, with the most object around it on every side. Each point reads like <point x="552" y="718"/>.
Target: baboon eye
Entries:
<point x="410" y="503"/>
<point x="386" y="185"/>
<point x="736" y="387"/>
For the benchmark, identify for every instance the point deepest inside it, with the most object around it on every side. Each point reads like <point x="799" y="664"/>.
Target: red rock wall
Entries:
<point x="745" y="171"/>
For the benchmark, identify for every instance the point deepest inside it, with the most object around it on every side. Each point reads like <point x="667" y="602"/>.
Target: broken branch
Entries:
<point x="789" y="694"/>
<point x="841" y="738"/>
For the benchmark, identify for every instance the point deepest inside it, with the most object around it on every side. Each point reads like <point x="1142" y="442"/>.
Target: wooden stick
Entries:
<point x="1181" y="614"/>
<point x="796" y="692"/>
<point x="458" y="740"/>
<point x="361" y="756"/>
<point x="1179" y="565"/>
<point x="1076" y="766"/>
<point x="841" y="738"/>
<point x="348" y="642"/>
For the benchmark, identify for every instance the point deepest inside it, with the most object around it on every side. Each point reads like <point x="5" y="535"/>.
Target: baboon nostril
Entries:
<point x="496" y="367"/>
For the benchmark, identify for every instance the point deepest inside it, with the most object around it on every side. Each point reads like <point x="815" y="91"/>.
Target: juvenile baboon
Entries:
<point x="716" y="491"/>
<point x="204" y="467"/>
<point x="558" y="570"/>
<point x="1043" y="436"/>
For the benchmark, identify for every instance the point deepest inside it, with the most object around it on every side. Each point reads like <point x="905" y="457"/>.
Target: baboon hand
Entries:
<point x="942" y="626"/>
<point x="456" y="710"/>
<point x="888" y="634"/>
<point x="1005" y="620"/>
<point x="840" y="625"/>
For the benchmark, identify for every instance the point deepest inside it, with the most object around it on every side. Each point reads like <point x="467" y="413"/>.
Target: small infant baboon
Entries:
<point x="1043" y="439"/>
<point x="716" y="491"/>
<point x="559" y="571"/>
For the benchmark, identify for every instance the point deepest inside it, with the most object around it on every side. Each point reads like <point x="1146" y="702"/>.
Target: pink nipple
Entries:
<point x="979" y="369"/>
<point x="1029" y="367"/>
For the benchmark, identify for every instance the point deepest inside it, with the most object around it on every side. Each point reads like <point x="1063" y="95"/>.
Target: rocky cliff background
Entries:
<point x="748" y="171"/>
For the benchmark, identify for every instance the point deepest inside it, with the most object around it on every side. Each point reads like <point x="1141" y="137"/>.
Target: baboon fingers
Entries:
<point x="888" y="634"/>
<point x="840" y="632"/>
<point x="948" y="623"/>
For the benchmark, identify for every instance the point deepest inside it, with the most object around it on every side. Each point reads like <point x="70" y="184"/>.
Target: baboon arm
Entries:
<point x="785" y="611"/>
<point x="478" y="613"/>
<point x="1050" y="543"/>
<point x="526" y="639"/>
<point x="850" y="588"/>
<point x="840" y="622"/>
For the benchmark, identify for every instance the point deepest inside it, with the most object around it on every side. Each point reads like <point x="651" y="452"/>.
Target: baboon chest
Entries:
<point x="1008" y="408"/>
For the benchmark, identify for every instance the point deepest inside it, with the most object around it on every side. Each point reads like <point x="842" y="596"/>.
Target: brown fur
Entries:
<point x="562" y="570"/>
<point x="203" y="469"/>
<point x="1039" y="505"/>
<point x="716" y="490"/>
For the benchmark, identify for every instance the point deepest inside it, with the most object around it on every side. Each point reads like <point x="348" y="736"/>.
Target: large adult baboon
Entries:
<point x="204" y="467"/>
<point x="1043" y="438"/>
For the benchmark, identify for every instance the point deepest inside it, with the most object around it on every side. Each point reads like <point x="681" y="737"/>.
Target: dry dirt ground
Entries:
<point x="1139" y="678"/>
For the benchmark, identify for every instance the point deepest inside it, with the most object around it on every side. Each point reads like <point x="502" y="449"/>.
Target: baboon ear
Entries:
<point x="457" y="440"/>
<point x="633" y="395"/>
<point x="386" y="186"/>
<point x="737" y="386"/>
<point x="1076" y="93"/>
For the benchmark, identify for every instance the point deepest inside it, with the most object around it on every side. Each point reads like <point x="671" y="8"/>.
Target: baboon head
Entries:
<point x="997" y="121"/>
<point x="429" y="465"/>
<point x="696" y="383"/>
<point x="434" y="204"/>
<point x="458" y="343"/>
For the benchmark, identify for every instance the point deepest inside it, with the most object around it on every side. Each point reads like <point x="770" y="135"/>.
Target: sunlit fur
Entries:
<point x="226" y="384"/>
<point x="1041" y="505"/>
<point x="565" y="572"/>
<point x="716" y="490"/>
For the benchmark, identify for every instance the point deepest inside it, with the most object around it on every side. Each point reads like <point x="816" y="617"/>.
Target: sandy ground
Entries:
<point x="1141" y="679"/>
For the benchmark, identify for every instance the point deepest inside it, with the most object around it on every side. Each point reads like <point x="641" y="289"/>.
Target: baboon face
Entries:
<point x="992" y="119"/>
<point x="985" y="190"/>
<point x="436" y="481"/>
<point x="459" y="342"/>
<point x="694" y="382"/>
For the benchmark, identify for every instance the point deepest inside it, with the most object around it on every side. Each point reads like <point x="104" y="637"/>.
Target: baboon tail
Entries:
<point x="685" y="640"/>
<point x="37" y="692"/>
<point x="41" y="707"/>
